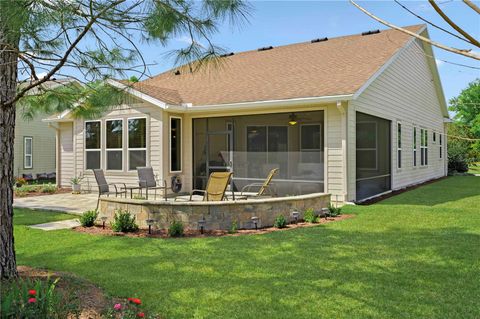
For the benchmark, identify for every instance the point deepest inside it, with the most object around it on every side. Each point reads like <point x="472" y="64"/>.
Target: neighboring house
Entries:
<point x="34" y="146"/>
<point x="354" y="116"/>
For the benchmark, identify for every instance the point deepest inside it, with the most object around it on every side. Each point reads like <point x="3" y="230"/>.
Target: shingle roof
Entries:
<point x="335" y="67"/>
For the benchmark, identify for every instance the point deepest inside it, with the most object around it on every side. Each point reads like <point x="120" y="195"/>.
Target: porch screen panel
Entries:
<point x="252" y="145"/>
<point x="373" y="155"/>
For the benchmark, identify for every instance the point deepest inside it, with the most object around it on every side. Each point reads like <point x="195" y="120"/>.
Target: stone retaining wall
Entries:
<point x="218" y="215"/>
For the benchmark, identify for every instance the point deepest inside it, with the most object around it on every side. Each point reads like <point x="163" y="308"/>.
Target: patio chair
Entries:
<point x="147" y="181"/>
<point x="104" y="187"/>
<point x="216" y="187"/>
<point x="264" y="189"/>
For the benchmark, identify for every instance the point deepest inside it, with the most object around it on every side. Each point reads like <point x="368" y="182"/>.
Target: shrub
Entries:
<point x="48" y="189"/>
<point x="280" y="222"/>
<point x="334" y="211"/>
<point x="88" y="218"/>
<point x="175" y="229"/>
<point x="19" y="192"/>
<point x="123" y="221"/>
<point x="20" y="181"/>
<point x="33" y="299"/>
<point x="310" y="217"/>
<point x="233" y="228"/>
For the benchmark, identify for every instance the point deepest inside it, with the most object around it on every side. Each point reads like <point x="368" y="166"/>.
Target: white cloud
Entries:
<point x="439" y="62"/>
<point x="187" y="40"/>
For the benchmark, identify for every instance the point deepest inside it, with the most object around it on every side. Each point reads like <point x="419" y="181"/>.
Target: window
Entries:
<point x="367" y="145"/>
<point x="114" y="151"/>
<point x="175" y="144"/>
<point x="399" y="145"/>
<point x="310" y="146"/>
<point x="423" y="147"/>
<point x="414" y="146"/>
<point x="28" y="152"/>
<point x="93" y="146"/>
<point x="441" y="145"/>
<point x="434" y="138"/>
<point x="137" y="143"/>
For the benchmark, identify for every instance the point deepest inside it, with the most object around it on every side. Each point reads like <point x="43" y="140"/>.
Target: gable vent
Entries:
<point x="177" y="72"/>
<point x="265" y="48"/>
<point x="371" y="32"/>
<point x="319" y="40"/>
<point x="227" y="55"/>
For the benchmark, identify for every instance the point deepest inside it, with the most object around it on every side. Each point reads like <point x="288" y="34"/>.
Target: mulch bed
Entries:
<point x="92" y="300"/>
<point x="192" y="233"/>
<point x="39" y="193"/>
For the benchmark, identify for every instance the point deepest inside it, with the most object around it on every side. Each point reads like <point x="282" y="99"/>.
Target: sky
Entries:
<point x="285" y="22"/>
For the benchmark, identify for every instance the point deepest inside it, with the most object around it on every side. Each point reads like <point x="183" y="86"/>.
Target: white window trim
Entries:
<point x="371" y="149"/>
<point x="91" y="149"/>
<point x="399" y="147"/>
<point x="114" y="149"/>
<point x="424" y="147"/>
<point x="147" y="143"/>
<point x="170" y="144"/>
<point x="414" y="146"/>
<point x="25" y="155"/>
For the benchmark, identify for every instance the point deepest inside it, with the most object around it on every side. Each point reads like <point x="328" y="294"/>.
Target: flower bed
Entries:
<point x="163" y="233"/>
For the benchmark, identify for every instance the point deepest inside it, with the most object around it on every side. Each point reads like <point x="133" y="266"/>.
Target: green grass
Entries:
<point x="416" y="255"/>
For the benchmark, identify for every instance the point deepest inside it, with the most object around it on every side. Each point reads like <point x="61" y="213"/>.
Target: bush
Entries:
<point x="48" y="189"/>
<point x="131" y="309"/>
<point x="123" y="221"/>
<point x="280" y="222"/>
<point x="334" y="211"/>
<point x="33" y="299"/>
<point x="233" y="228"/>
<point x="310" y="217"/>
<point x="175" y="229"/>
<point x="88" y="218"/>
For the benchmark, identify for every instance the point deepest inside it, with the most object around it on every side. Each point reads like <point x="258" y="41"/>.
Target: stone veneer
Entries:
<point x="218" y="215"/>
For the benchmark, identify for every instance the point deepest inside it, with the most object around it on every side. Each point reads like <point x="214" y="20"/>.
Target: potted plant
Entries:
<point x="76" y="186"/>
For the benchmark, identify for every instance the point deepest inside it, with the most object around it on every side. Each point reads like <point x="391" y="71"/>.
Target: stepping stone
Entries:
<point x="63" y="224"/>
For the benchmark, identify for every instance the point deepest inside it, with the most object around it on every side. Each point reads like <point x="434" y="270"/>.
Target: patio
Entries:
<point x="70" y="203"/>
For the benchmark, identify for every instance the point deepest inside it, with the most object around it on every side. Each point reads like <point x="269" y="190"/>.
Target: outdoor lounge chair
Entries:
<point x="264" y="189"/>
<point x="147" y="181"/>
<point x="104" y="187"/>
<point x="216" y="187"/>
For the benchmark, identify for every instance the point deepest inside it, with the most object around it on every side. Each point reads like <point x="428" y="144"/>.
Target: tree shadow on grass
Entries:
<point x="321" y="272"/>
<point x="449" y="191"/>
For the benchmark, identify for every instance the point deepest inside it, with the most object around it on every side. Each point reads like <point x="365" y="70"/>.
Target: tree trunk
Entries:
<point x="8" y="84"/>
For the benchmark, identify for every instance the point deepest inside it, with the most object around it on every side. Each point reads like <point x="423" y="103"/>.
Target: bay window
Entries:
<point x="137" y="143"/>
<point x="93" y="145"/>
<point x="114" y="147"/>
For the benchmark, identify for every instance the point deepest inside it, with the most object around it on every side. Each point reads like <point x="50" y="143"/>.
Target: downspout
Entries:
<point x="57" y="153"/>
<point x="343" y="113"/>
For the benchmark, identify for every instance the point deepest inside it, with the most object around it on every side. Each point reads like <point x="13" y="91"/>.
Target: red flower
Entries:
<point x="32" y="292"/>
<point x="32" y="300"/>
<point x="135" y="301"/>
<point x="140" y="315"/>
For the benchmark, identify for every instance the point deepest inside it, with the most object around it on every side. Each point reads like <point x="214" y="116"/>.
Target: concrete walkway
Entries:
<point x="69" y="203"/>
<point x="63" y="224"/>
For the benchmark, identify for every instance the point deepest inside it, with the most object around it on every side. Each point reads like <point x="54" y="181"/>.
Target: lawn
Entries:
<point x="474" y="169"/>
<point x="415" y="255"/>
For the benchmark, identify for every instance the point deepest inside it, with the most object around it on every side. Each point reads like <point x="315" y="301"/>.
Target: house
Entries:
<point x="354" y="116"/>
<point x="34" y="147"/>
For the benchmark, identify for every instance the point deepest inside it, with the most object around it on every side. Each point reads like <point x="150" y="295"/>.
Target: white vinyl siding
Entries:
<point x="404" y="92"/>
